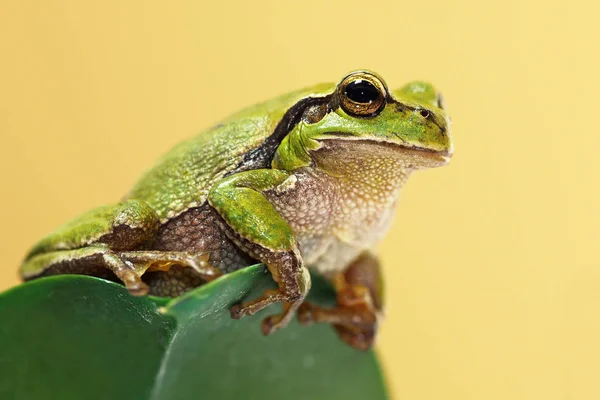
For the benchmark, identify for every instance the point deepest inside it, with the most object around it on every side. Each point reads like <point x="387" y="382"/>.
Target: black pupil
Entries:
<point x="361" y="91"/>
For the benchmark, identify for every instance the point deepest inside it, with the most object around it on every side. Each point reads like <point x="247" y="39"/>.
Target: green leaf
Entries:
<point x="79" y="337"/>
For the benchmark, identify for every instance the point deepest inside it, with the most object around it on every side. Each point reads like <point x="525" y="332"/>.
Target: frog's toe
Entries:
<point x="137" y="288"/>
<point x="133" y="282"/>
<point x="237" y="311"/>
<point x="271" y="324"/>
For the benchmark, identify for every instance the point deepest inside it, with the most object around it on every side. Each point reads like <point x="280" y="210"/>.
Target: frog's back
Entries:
<point x="184" y="176"/>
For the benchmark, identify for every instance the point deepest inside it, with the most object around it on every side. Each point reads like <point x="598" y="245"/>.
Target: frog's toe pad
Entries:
<point x="237" y="311"/>
<point x="137" y="288"/>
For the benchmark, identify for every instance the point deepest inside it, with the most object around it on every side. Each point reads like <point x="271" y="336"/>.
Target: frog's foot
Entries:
<point x="359" y="303"/>
<point x="127" y="266"/>
<point x="354" y="308"/>
<point x="163" y="260"/>
<point x="128" y="275"/>
<point x="273" y="322"/>
<point x="252" y="307"/>
<point x="294" y="283"/>
<point x="269" y="324"/>
<point x="355" y="319"/>
<point x="91" y="260"/>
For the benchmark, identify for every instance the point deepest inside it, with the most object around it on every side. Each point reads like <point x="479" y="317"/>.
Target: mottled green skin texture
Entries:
<point x="272" y="232"/>
<point x="185" y="175"/>
<point x="347" y="164"/>
<point x="181" y="179"/>
<point x="92" y="225"/>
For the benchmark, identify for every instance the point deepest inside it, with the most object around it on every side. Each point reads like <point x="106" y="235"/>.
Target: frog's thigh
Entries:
<point x="254" y="225"/>
<point x="122" y="226"/>
<point x="85" y="261"/>
<point x="359" y="303"/>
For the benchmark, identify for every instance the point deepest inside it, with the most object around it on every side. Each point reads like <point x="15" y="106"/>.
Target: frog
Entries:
<point x="307" y="182"/>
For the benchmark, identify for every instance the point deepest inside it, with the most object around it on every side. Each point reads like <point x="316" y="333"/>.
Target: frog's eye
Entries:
<point x="362" y="94"/>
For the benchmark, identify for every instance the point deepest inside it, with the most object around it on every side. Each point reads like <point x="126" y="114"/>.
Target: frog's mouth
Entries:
<point x="421" y="156"/>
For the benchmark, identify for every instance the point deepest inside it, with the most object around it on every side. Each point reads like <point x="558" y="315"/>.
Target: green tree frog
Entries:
<point x="306" y="181"/>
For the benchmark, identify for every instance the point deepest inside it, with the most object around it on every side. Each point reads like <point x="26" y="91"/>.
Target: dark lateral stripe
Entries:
<point x="261" y="156"/>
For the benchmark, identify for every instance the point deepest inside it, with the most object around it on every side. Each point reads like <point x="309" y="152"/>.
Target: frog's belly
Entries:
<point x="331" y="225"/>
<point x="328" y="255"/>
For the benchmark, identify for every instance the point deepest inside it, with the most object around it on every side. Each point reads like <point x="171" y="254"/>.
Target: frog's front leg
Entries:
<point x="258" y="229"/>
<point x="359" y="303"/>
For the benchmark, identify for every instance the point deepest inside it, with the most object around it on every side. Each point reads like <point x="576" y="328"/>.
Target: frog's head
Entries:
<point x="411" y="120"/>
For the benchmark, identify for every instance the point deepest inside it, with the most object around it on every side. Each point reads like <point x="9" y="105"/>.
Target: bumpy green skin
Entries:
<point x="257" y="205"/>
<point x="240" y="206"/>
<point x="185" y="175"/>
<point x="92" y="225"/>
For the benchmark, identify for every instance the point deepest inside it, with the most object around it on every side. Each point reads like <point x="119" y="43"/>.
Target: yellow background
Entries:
<point x="492" y="265"/>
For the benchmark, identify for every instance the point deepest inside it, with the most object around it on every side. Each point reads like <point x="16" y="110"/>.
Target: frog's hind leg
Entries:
<point x="127" y="266"/>
<point x="359" y="303"/>
<point x="92" y="260"/>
